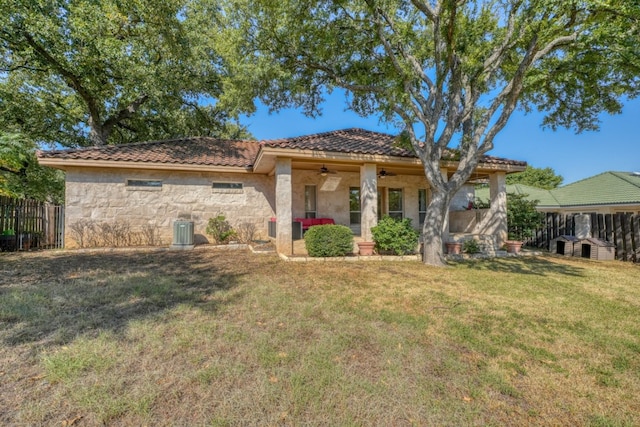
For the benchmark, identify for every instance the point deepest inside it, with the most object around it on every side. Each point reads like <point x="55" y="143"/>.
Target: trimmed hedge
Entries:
<point x="395" y="236"/>
<point x="328" y="240"/>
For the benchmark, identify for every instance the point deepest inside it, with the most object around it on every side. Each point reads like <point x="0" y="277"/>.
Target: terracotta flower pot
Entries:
<point x="513" y="246"/>
<point x="366" y="248"/>
<point x="454" y="248"/>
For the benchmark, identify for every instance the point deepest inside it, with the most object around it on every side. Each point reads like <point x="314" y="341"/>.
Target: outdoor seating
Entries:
<point x="310" y="222"/>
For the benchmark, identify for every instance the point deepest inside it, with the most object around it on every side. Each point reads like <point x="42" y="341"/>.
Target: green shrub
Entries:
<point x="522" y="217"/>
<point x="395" y="235"/>
<point x="220" y="230"/>
<point x="328" y="240"/>
<point x="470" y="246"/>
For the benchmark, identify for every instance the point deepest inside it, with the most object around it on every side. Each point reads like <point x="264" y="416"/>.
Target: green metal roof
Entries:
<point x="607" y="188"/>
<point x="544" y="197"/>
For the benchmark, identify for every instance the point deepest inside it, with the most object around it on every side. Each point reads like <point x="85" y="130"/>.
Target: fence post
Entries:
<point x="617" y="236"/>
<point x="608" y="224"/>
<point x="628" y="244"/>
<point x="635" y="220"/>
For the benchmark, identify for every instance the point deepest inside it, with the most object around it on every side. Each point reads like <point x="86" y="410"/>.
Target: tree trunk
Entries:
<point x="432" y="229"/>
<point x="96" y="133"/>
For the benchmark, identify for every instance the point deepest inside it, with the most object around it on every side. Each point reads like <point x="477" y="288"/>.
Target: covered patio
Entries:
<point x="356" y="177"/>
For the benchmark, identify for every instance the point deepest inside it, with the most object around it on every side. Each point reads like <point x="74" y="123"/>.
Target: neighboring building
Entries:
<point x="353" y="176"/>
<point x="606" y="193"/>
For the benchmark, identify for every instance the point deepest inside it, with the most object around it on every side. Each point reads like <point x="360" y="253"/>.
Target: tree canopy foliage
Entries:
<point x="20" y="174"/>
<point x="545" y="178"/>
<point x="449" y="73"/>
<point x="79" y="72"/>
<point x="522" y="217"/>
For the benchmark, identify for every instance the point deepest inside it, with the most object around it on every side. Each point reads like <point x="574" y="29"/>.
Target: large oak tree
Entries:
<point x="80" y="72"/>
<point x="449" y="73"/>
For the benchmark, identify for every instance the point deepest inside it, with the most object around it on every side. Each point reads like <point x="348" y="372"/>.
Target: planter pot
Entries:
<point x="24" y="241"/>
<point x="454" y="248"/>
<point x="513" y="246"/>
<point x="8" y="243"/>
<point x="366" y="248"/>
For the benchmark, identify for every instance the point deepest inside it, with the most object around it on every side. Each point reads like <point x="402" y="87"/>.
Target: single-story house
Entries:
<point x="605" y="193"/>
<point x="352" y="176"/>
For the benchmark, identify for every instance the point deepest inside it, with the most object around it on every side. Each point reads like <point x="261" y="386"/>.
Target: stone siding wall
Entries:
<point x="102" y="195"/>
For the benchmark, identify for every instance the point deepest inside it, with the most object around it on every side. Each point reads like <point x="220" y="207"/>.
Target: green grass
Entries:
<point x="208" y="338"/>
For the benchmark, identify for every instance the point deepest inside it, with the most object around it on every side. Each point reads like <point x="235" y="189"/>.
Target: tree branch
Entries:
<point x="425" y="8"/>
<point x="71" y="79"/>
<point x="123" y="114"/>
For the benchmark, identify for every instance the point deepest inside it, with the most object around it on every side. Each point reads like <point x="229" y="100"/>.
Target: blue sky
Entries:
<point x="616" y="147"/>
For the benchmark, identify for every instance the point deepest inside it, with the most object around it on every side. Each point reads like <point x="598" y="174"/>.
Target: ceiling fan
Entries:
<point x="383" y="174"/>
<point x="324" y="171"/>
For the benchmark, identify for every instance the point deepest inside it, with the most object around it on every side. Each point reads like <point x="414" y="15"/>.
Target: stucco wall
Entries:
<point x="102" y="195"/>
<point x="461" y="199"/>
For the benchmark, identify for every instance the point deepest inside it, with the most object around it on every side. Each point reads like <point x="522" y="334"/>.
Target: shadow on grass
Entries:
<point x="54" y="298"/>
<point x="538" y="266"/>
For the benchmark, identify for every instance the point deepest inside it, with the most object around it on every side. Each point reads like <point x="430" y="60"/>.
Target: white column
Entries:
<point x="498" y="210"/>
<point x="445" y="223"/>
<point x="284" y="235"/>
<point x="368" y="200"/>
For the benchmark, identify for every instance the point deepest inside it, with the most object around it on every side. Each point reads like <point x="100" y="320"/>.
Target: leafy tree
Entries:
<point x="20" y="174"/>
<point x="536" y="177"/>
<point x="448" y="72"/>
<point x="522" y="217"/>
<point x="74" y="72"/>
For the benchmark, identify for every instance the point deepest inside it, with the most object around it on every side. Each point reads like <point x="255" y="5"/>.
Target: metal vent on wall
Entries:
<point x="182" y="233"/>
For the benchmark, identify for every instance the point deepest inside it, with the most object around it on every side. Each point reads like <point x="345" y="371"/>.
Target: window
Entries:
<point x="309" y="201"/>
<point x="144" y="184"/>
<point x="395" y="203"/>
<point x="227" y="186"/>
<point x="422" y="205"/>
<point x="354" y="205"/>
<point x="390" y="203"/>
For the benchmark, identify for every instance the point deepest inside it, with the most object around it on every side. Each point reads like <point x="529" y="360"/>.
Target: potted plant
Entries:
<point x="8" y="240"/>
<point x="366" y="248"/>
<point x="453" y="248"/>
<point x="522" y="220"/>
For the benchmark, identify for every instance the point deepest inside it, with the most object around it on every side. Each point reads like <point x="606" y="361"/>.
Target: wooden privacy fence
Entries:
<point x="621" y="229"/>
<point x="26" y="224"/>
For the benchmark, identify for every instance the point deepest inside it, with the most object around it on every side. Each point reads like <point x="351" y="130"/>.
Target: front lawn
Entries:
<point x="233" y="338"/>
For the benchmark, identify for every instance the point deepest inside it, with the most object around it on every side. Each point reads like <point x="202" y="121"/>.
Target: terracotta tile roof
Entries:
<point x="360" y="141"/>
<point x="219" y="152"/>
<point x="190" y="151"/>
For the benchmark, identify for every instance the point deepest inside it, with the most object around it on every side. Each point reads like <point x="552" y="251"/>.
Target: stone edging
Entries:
<point x="353" y="258"/>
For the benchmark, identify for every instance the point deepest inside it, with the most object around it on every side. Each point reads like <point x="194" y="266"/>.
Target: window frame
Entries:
<point x="397" y="214"/>
<point x="351" y="201"/>
<point x="227" y="187"/>
<point x="138" y="184"/>
<point x="422" y="213"/>
<point x="308" y="212"/>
